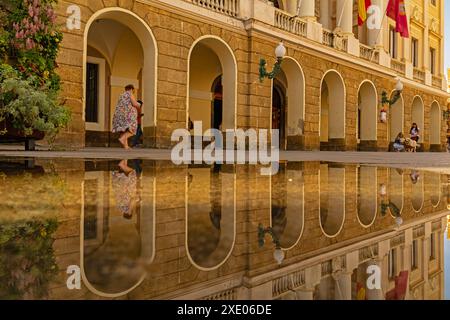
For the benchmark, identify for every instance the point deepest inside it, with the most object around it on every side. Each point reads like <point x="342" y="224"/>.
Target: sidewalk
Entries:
<point x="416" y="160"/>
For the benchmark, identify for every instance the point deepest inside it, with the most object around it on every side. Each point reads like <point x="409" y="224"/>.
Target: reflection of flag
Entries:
<point x="396" y="10"/>
<point x="401" y="285"/>
<point x="363" y="5"/>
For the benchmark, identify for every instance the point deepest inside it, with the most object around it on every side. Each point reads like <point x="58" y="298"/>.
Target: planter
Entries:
<point x="15" y="135"/>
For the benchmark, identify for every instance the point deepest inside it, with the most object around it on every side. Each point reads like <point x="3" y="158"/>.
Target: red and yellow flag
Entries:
<point x="363" y="6"/>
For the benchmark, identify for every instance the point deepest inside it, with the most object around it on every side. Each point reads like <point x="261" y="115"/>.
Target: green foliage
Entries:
<point x="27" y="261"/>
<point x="29" y="107"/>
<point x="35" y="38"/>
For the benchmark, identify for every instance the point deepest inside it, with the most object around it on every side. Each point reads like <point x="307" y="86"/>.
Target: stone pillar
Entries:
<point x="407" y="257"/>
<point x="376" y="36"/>
<point x="343" y="286"/>
<point x="305" y="294"/>
<point x="307" y="10"/>
<point x="344" y="25"/>
<point x="344" y="16"/>
<point x="325" y="13"/>
<point x="426" y="45"/>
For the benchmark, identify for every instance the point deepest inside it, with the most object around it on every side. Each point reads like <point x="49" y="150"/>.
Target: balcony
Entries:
<point x="369" y="53"/>
<point x="436" y="81"/>
<point x="227" y="7"/>
<point x="398" y="66"/>
<point x="290" y="23"/>
<point x="270" y="19"/>
<point x="419" y="75"/>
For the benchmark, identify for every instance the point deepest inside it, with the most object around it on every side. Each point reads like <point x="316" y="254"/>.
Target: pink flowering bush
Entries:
<point x="35" y="39"/>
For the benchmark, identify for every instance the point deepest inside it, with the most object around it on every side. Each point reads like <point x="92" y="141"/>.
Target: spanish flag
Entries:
<point x="363" y="6"/>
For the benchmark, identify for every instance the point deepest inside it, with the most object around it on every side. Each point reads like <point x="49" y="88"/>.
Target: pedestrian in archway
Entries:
<point x="125" y="116"/>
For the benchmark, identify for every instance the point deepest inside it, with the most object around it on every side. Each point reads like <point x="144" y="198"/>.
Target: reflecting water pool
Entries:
<point x="75" y="229"/>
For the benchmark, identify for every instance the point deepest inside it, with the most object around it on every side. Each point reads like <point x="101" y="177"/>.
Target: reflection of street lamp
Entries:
<point x="278" y="254"/>
<point x="386" y="204"/>
<point x="280" y="52"/>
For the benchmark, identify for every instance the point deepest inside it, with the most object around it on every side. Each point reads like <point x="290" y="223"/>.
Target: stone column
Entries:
<point x="344" y="16"/>
<point x="377" y="294"/>
<point x="426" y="44"/>
<point x="376" y="36"/>
<point x="305" y="294"/>
<point x="307" y="10"/>
<point x="343" y="286"/>
<point x="344" y="25"/>
<point x="325" y="13"/>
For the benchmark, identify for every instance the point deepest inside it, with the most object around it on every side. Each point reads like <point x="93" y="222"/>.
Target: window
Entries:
<point x="433" y="60"/>
<point x="415" y="52"/>
<point x="433" y="2"/>
<point x="432" y="247"/>
<point x="392" y="42"/>
<point x="415" y="255"/>
<point x="391" y="263"/>
<point x="92" y="92"/>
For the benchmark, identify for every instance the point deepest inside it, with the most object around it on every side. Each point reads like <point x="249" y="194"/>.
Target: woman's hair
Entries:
<point x="400" y="134"/>
<point x="129" y="87"/>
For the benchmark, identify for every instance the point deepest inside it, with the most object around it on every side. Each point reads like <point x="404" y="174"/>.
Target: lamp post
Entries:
<point x="385" y="101"/>
<point x="278" y="254"/>
<point x="280" y="52"/>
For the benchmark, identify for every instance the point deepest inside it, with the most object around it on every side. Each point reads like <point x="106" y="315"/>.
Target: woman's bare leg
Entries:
<point x="123" y="140"/>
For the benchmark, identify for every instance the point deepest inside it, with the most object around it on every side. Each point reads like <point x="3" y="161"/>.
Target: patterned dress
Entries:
<point x="125" y="115"/>
<point x="124" y="187"/>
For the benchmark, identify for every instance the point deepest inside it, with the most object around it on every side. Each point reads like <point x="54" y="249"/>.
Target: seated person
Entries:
<point x="399" y="143"/>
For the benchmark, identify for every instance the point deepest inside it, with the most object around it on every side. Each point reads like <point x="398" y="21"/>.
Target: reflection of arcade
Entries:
<point x="210" y="215"/>
<point x="287" y="210"/>
<point x="117" y="240"/>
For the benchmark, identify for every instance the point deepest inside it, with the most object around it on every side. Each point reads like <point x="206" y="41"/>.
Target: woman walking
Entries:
<point x="125" y="116"/>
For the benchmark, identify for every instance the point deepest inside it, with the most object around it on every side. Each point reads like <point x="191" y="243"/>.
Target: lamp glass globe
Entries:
<point x="280" y="51"/>
<point x="278" y="255"/>
<point x="399" y="86"/>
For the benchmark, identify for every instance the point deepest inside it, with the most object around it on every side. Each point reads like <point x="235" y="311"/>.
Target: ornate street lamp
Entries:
<point x="278" y="254"/>
<point x="385" y="101"/>
<point x="280" y="52"/>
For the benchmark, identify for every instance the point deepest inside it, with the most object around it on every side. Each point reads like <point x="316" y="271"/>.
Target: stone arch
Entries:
<point x="295" y="102"/>
<point x="433" y="187"/>
<point x="332" y="200"/>
<point x="332" y="109"/>
<point x="367" y="195"/>
<point x="210" y="57"/>
<point x="210" y="216"/>
<point x="367" y="112"/>
<point x="114" y="254"/>
<point x="396" y="189"/>
<point x="396" y="118"/>
<point x="288" y="205"/>
<point x="417" y="115"/>
<point x="417" y="191"/>
<point x="124" y="21"/>
<point x="435" y="125"/>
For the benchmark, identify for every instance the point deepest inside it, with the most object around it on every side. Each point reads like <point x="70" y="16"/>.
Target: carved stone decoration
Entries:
<point x="415" y="14"/>
<point x="434" y="25"/>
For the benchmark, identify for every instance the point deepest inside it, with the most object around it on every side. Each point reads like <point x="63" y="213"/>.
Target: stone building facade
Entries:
<point x="199" y="60"/>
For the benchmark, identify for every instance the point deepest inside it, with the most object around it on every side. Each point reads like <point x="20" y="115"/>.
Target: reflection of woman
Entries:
<point x="124" y="184"/>
<point x="414" y="176"/>
<point x="125" y="116"/>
